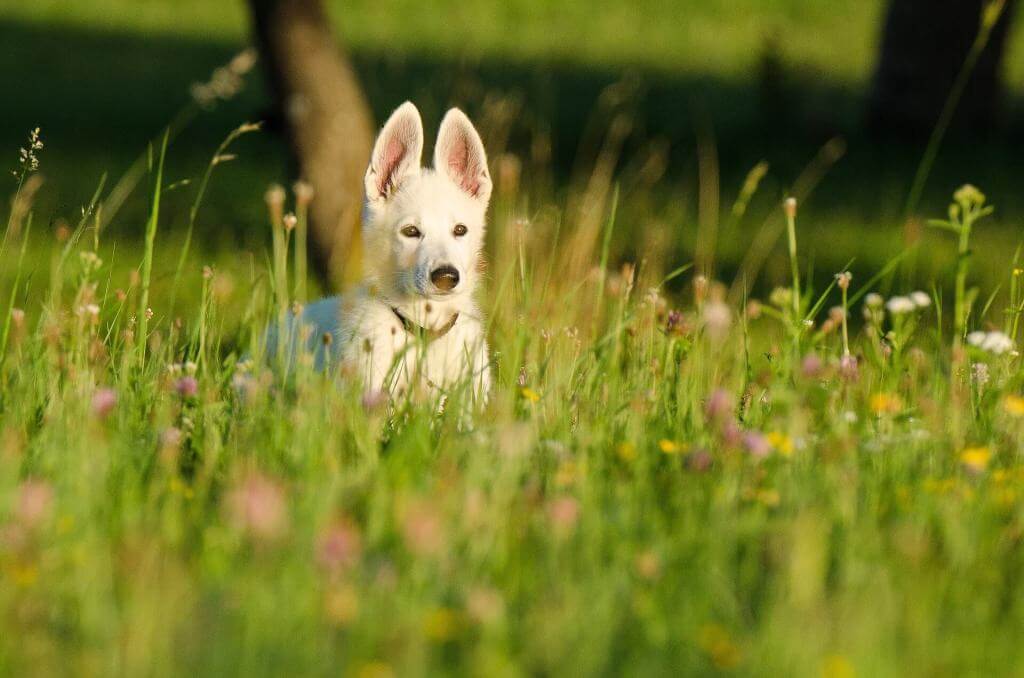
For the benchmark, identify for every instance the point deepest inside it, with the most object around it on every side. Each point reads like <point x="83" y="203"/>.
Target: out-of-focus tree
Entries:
<point x="925" y="46"/>
<point x="319" y="101"/>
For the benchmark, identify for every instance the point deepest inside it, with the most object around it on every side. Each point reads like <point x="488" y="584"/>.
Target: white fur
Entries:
<point x="366" y="335"/>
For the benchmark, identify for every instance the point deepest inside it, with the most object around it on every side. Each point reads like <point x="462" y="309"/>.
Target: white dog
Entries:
<point x="414" y="322"/>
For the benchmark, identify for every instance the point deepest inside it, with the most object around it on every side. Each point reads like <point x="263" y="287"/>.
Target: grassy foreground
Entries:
<point x="700" y="484"/>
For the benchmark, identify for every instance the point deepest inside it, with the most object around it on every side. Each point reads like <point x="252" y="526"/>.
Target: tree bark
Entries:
<point x="325" y="118"/>
<point x="924" y="46"/>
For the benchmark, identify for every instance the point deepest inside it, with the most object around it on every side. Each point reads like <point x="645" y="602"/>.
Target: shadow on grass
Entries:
<point x="100" y="97"/>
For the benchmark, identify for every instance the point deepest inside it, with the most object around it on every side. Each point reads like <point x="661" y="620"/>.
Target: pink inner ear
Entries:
<point x="463" y="163"/>
<point x="391" y="157"/>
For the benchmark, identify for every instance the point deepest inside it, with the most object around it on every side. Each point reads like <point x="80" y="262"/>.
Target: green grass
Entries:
<point x="646" y="492"/>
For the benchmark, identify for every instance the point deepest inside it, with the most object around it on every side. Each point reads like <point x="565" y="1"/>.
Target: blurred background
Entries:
<point x="673" y="103"/>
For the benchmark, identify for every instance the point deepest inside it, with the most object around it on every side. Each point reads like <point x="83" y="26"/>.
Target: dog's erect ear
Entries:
<point x="459" y="155"/>
<point x="396" y="153"/>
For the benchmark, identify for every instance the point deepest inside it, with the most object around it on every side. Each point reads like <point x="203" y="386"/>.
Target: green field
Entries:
<point x="673" y="475"/>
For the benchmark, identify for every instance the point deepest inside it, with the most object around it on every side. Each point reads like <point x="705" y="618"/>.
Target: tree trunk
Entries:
<point x="924" y="46"/>
<point x="325" y="117"/>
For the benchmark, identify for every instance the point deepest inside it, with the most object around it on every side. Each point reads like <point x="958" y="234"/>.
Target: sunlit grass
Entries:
<point x="665" y="479"/>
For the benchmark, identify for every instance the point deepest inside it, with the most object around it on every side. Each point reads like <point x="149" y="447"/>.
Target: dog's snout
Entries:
<point x="445" y="278"/>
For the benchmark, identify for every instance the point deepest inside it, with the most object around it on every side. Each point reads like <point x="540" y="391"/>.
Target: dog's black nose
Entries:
<point x="445" y="278"/>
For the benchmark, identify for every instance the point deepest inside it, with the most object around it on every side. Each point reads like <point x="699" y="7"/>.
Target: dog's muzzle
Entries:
<point x="445" y="278"/>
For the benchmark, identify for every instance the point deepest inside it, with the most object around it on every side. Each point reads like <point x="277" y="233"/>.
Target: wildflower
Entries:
<point x="848" y="368"/>
<point x="339" y="547"/>
<point x="149" y="314"/>
<point x="257" y="506"/>
<point x="757" y="445"/>
<point x="969" y="195"/>
<point x="811" y="366"/>
<point x="995" y="343"/>
<point x="303" y="193"/>
<point x="837" y="314"/>
<point x="885" y="403"/>
<point x="873" y="300"/>
<point x="718" y="405"/>
<point x="648" y="565"/>
<point x="1013" y="405"/>
<point x="670" y="446"/>
<point x="975" y="459"/>
<point x="530" y="395"/>
<point x="717" y="317"/>
<point x="35" y="500"/>
<point x="843" y="280"/>
<point x="485" y="605"/>
<point x="753" y="309"/>
<point x="837" y="666"/>
<point x="275" y="197"/>
<point x="563" y="514"/>
<point x="979" y="373"/>
<point x="423" y="529"/>
<point x="374" y="400"/>
<point x="170" y="439"/>
<point x="27" y="157"/>
<point x="675" y="323"/>
<point x="781" y="443"/>
<point x="699" y="461"/>
<point x="187" y="387"/>
<point x="103" y="402"/>
<point x="715" y="641"/>
<point x="921" y="299"/>
<point x="789" y="206"/>
<point x="626" y="451"/>
<point x="900" y="305"/>
<point x="290" y="221"/>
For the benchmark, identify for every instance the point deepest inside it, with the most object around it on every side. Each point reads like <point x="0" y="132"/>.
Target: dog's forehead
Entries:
<point x="433" y="199"/>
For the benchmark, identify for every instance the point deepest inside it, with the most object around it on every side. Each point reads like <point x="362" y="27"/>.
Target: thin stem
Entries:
<point x="990" y="16"/>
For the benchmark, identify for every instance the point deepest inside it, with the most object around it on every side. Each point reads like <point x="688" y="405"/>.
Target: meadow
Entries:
<point x="710" y="448"/>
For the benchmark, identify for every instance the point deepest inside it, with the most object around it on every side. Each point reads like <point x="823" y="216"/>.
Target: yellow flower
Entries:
<point x="671" y="446"/>
<point x="626" y="451"/>
<point x="530" y="394"/>
<point x="769" y="498"/>
<point x="1013" y="405"/>
<point x="720" y="648"/>
<point x="886" y="403"/>
<point x="837" y="666"/>
<point x="781" y="443"/>
<point x="976" y="459"/>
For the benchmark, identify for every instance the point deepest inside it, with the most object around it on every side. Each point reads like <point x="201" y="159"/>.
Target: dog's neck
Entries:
<point x="429" y="314"/>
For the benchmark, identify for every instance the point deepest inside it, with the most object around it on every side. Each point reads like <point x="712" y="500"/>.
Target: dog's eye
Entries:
<point x="411" y="231"/>
<point x="460" y="230"/>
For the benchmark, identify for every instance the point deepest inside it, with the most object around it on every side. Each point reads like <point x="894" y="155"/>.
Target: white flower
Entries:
<point x="717" y="318"/>
<point x="873" y="300"/>
<point x="995" y="343"/>
<point x="898" y="305"/>
<point x="921" y="299"/>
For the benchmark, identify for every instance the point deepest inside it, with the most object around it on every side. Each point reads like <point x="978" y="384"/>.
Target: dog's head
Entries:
<point x="425" y="227"/>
